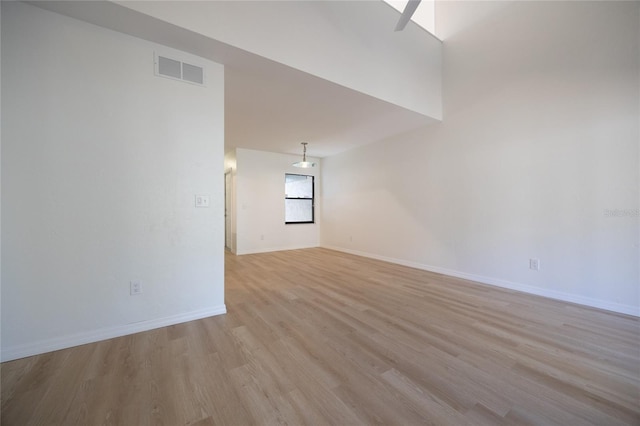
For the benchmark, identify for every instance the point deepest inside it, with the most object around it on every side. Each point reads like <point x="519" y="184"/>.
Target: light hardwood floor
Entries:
<point x="320" y="337"/>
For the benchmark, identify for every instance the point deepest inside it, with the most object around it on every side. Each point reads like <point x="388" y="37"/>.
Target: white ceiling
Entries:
<point x="268" y="106"/>
<point x="272" y="107"/>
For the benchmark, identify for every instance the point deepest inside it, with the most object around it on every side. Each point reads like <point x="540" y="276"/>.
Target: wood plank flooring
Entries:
<point x="321" y="337"/>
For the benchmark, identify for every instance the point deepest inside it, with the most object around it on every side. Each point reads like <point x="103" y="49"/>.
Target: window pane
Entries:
<point x="298" y="210"/>
<point x="298" y="186"/>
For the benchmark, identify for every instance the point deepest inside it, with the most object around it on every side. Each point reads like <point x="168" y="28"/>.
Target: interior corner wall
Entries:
<point x="101" y="162"/>
<point x="537" y="157"/>
<point x="260" y="203"/>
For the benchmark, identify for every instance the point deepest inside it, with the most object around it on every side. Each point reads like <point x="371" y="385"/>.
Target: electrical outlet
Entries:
<point x="135" y="288"/>
<point x="534" y="264"/>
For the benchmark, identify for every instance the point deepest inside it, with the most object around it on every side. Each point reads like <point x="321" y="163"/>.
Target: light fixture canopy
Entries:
<point x="304" y="163"/>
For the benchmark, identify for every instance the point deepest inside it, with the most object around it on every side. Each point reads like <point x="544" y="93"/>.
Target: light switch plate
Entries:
<point x="202" y="201"/>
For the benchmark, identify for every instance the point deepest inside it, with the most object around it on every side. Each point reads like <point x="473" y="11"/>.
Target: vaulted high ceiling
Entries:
<point x="356" y="81"/>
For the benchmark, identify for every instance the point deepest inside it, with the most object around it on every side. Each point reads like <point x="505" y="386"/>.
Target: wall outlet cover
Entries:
<point x="135" y="288"/>
<point x="534" y="264"/>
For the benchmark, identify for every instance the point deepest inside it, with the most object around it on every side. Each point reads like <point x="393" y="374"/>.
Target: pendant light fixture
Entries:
<point x="304" y="163"/>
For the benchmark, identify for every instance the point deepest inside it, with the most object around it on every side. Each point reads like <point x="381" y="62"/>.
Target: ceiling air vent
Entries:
<point x="178" y="70"/>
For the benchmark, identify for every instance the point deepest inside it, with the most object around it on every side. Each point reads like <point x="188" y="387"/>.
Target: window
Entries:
<point x="298" y="199"/>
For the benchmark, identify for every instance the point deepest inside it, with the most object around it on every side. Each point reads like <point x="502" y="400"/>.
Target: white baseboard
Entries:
<point x="69" y="341"/>
<point x="270" y="249"/>
<point x="525" y="288"/>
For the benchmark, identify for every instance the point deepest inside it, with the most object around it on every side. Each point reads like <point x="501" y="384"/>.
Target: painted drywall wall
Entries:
<point x="0" y="180"/>
<point x="537" y="157"/>
<point x="260" y="203"/>
<point x="351" y="43"/>
<point x="101" y="162"/>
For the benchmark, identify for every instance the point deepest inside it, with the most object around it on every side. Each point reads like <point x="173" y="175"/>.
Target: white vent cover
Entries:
<point x="178" y="70"/>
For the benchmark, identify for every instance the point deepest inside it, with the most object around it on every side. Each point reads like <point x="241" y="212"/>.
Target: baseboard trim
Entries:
<point x="78" y="339"/>
<point x="271" y="249"/>
<point x="525" y="288"/>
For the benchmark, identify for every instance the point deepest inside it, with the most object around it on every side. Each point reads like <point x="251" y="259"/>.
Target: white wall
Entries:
<point x="101" y="161"/>
<point x="0" y="182"/>
<point x="260" y="203"/>
<point x="351" y="43"/>
<point x="540" y="138"/>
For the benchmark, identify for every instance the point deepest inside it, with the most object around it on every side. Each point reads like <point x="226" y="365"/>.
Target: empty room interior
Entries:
<point x="320" y="212"/>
